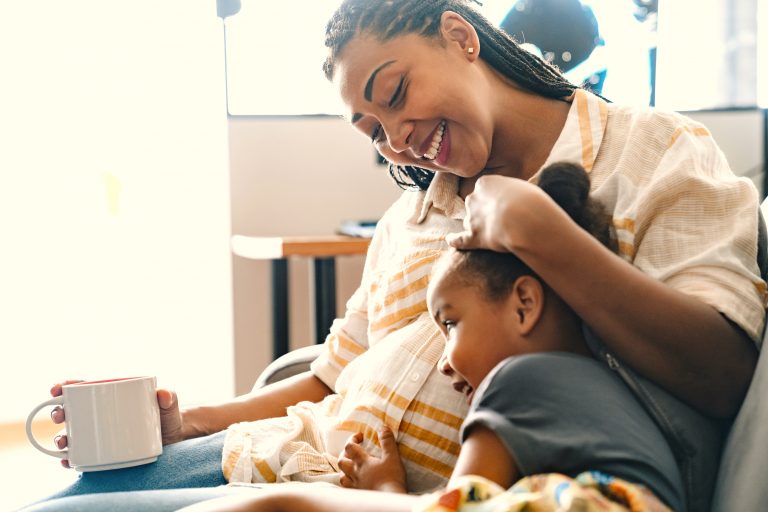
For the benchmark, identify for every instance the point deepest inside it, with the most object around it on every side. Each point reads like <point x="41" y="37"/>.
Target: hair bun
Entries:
<point x="568" y="185"/>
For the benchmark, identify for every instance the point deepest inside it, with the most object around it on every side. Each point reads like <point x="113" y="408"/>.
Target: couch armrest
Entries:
<point x="288" y="365"/>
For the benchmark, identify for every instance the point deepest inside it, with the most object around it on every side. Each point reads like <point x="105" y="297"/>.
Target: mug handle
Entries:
<point x="54" y="401"/>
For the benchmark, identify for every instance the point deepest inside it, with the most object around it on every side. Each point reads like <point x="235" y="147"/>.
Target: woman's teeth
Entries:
<point x="437" y="140"/>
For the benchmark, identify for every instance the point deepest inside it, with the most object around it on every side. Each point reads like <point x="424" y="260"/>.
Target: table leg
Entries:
<point x="325" y="296"/>
<point x="279" y="308"/>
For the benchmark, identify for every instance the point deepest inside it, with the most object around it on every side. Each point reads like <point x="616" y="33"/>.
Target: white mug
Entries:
<point x="110" y="424"/>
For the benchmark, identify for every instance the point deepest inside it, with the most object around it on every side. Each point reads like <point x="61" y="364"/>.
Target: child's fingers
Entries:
<point x="388" y="443"/>
<point x="346" y="466"/>
<point x="347" y="482"/>
<point x="355" y="452"/>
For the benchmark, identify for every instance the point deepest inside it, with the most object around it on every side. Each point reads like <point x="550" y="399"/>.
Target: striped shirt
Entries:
<point x="679" y="214"/>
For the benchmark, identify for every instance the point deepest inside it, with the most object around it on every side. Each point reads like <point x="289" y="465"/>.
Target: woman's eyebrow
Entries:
<point x="368" y="92"/>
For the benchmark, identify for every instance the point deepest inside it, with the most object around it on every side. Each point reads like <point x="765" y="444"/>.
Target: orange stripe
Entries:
<point x="440" y="442"/>
<point x="387" y="394"/>
<point x="399" y="315"/>
<point x="229" y="465"/>
<point x="266" y="472"/>
<point x="337" y="359"/>
<point x="415" y="406"/>
<point x="413" y="266"/>
<point x="624" y="224"/>
<point x="404" y="292"/>
<point x="436" y="414"/>
<point x="423" y="460"/>
<point x="585" y="126"/>
<point x="406" y="427"/>
<point x="357" y="426"/>
<point x="626" y="249"/>
<point x="406" y="452"/>
<point x="700" y="132"/>
<point x="349" y="345"/>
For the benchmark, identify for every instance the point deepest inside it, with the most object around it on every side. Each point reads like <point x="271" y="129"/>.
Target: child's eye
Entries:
<point x="449" y="325"/>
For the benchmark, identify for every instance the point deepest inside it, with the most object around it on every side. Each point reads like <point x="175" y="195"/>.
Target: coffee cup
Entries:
<point x="110" y="424"/>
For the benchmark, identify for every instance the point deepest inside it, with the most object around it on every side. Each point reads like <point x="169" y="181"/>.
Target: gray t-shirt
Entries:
<point x="565" y="413"/>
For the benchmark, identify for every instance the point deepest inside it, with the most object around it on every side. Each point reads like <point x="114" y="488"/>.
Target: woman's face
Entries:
<point x="479" y="333"/>
<point x="420" y="102"/>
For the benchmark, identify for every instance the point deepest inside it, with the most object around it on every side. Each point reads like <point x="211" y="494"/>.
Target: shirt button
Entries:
<point x="415" y="376"/>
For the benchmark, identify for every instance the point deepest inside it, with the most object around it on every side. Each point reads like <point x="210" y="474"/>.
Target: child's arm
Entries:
<point x="363" y="471"/>
<point x="308" y="499"/>
<point x="483" y="454"/>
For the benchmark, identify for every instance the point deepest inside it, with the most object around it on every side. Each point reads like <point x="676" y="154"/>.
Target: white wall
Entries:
<point x="114" y="198"/>
<point x="295" y="176"/>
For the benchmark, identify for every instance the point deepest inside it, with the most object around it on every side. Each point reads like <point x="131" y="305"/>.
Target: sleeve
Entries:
<point x="348" y="337"/>
<point x="696" y="229"/>
<point x="566" y="413"/>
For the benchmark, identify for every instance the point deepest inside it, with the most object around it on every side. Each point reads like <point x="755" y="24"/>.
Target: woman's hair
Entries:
<point x="494" y="272"/>
<point x="386" y="19"/>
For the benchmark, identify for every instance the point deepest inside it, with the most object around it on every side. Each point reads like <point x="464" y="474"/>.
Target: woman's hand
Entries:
<point x="57" y="415"/>
<point x="502" y="212"/>
<point x="170" y="417"/>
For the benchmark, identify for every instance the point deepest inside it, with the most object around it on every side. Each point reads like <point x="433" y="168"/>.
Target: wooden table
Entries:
<point x="323" y="251"/>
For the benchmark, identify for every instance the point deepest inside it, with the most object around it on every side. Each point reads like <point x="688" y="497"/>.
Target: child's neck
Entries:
<point x="560" y="329"/>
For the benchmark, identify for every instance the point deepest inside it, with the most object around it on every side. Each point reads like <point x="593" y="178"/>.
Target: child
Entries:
<point x="540" y="405"/>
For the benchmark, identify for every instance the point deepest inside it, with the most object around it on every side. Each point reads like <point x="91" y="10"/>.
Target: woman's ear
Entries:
<point x="456" y="30"/>
<point x="527" y="303"/>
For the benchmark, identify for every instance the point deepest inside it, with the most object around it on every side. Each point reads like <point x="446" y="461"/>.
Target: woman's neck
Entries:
<point x="526" y="127"/>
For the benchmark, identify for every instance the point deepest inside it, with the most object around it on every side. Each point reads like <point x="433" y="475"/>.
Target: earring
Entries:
<point x="470" y="50"/>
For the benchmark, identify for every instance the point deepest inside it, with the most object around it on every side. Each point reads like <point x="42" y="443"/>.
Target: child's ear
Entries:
<point x="527" y="303"/>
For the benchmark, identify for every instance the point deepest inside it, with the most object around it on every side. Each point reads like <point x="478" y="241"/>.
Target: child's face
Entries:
<point x="479" y="333"/>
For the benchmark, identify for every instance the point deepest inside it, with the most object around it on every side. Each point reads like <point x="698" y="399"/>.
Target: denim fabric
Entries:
<point x="144" y="501"/>
<point x="194" y="463"/>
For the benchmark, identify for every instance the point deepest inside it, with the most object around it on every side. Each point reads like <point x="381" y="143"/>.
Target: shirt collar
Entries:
<point x="443" y="194"/>
<point x="580" y="140"/>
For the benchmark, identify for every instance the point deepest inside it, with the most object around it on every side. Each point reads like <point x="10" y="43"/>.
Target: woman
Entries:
<point x="441" y="92"/>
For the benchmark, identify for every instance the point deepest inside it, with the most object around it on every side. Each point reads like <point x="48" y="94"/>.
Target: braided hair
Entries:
<point x="387" y="19"/>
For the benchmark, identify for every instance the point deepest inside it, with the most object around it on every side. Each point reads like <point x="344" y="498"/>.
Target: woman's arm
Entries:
<point x="674" y="339"/>
<point x="267" y="402"/>
<point x="321" y="499"/>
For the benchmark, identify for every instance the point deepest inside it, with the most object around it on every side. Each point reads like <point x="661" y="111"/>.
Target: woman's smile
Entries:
<point x="437" y="148"/>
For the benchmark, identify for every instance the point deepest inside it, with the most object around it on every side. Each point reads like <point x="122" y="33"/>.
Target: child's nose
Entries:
<point x="444" y="366"/>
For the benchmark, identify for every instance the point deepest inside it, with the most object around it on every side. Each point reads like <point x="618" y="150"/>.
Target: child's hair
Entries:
<point x="386" y="19"/>
<point x="494" y="272"/>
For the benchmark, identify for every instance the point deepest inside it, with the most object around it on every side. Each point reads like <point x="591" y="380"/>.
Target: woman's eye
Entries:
<point x="399" y="93"/>
<point x="376" y="134"/>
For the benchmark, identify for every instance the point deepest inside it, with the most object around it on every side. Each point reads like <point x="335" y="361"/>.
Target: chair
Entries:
<point x="740" y="482"/>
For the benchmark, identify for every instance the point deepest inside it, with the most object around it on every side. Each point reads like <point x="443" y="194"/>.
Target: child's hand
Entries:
<point x="363" y="471"/>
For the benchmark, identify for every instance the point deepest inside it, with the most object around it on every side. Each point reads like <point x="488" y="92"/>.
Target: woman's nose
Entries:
<point x="400" y="135"/>
<point x="444" y="366"/>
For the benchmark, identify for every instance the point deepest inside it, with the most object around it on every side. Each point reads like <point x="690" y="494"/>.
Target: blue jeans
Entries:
<point x="175" y="480"/>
